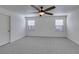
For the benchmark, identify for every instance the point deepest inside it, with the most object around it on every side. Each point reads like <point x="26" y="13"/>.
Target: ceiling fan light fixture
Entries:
<point x="41" y="13"/>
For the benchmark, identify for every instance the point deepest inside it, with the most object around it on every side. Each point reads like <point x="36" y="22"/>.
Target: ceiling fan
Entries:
<point x="42" y="11"/>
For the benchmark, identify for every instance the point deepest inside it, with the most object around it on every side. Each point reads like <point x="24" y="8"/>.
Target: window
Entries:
<point x="59" y="24"/>
<point x="30" y="24"/>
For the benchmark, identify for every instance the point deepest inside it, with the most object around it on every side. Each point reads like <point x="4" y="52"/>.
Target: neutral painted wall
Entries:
<point x="45" y="26"/>
<point x="18" y="27"/>
<point x="73" y="26"/>
<point x="17" y="24"/>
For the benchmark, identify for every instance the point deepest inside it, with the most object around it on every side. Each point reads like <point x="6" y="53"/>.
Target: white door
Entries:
<point x="4" y="29"/>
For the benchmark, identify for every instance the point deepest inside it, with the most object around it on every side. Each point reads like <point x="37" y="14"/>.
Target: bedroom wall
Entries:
<point x="73" y="26"/>
<point x="45" y="26"/>
<point x="17" y="26"/>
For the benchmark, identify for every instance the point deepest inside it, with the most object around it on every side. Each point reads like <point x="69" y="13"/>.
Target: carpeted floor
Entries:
<point x="40" y="45"/>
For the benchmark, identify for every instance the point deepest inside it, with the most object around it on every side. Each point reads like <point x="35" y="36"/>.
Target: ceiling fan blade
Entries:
<point x="48" y="13"/>
<point x="35" y="7"/>
<point x="50" y="8"/>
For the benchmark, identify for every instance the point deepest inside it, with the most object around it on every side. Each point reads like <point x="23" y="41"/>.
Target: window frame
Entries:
<point x="30" y="27"/>
<point x="60" y="27"/>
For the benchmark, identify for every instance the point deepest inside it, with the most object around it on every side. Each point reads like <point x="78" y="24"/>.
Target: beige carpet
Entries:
<point x="41" y="45"/>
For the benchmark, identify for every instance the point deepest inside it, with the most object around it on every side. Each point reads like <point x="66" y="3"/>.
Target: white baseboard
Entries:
<point x="46" y="36"/>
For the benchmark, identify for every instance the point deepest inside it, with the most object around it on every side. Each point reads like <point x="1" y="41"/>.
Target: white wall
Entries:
<point x="45" y="26"/>
<point x="18" y="27"/>
<point x="73" y="26"/>
<point x="17" y="24"/>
